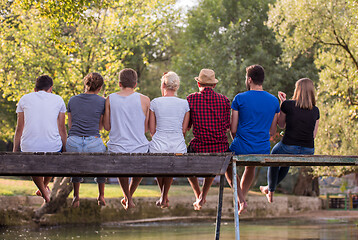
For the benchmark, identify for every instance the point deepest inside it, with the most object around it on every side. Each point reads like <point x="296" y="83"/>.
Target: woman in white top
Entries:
<point x="168" y="122"/>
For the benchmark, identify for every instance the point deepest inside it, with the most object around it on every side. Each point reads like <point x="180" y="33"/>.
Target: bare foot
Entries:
<point x="264" y="189"/>
<point x="75" y="202"/>
<point x="124" y="203"/>
<point x="242" y="207"/>
<point x="199" y="203"/>
<point x="158" y="202"/>
<point x="269" y="197"/>
<point x="38" y="192"/>
<point x="164" y="204"/>
<point x="127" y="204"/>
<point x="46" y="198"/>
<point x="101" y="201"/>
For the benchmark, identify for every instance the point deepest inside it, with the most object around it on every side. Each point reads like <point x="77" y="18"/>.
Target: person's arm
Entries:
<point x="69" y="120"/>
<point x="145" y="107"/>
<point x="281" y="116"/>
<point x="186" y="122"/>
<point x="100" y="127"/>
<point x="273" y="127"/>
<point x="62" y="129"/>
<point x="315" y="128"/>
<point x="18" y="132"/>
<point x="281" y="120"/>
<point x="107" y="116"/>
<point x="234" y="122"/>
<point x="152" y="123"/>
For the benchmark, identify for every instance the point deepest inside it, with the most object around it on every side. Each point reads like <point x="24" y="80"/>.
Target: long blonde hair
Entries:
<point x="304" y="94"/>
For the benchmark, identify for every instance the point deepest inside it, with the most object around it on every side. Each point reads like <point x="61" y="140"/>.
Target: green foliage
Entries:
<point x="328" y="30"/>
<point x="228" y="36"/>
<point x="69" y="39"/>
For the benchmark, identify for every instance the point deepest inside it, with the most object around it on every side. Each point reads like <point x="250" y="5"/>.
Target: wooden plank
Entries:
<point x="113" y="164"/>
<point x="295" y="160"/>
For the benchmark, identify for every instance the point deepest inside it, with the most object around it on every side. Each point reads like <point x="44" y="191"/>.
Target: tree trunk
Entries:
<point x="60" y="191"/>
<point x="306" y="184"/>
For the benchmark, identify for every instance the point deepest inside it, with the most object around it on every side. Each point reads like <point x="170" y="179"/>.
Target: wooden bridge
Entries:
<point x="152" y="165"/>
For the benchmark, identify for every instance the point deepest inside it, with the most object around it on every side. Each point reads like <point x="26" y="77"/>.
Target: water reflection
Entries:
<point x="249" y="230"/>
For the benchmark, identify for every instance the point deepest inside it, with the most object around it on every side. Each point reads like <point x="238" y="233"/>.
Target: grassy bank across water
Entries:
<point x="15" y="187"/>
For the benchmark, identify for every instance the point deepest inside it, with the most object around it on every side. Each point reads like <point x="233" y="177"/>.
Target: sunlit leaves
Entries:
<point x="69" y="39"/>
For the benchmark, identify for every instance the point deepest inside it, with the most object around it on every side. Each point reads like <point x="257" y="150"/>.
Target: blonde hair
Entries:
<point x="171" y="81"/>
<point x="304" y="94"/>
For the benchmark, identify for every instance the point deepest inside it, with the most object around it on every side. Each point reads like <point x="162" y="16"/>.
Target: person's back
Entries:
<point x="168" y="123"/>
<point x="300" y="124"/>
<point x="256" y="112"/>
<point x="86" y="111"/>
<point x="85" y="119"/>
<point x="254" y="119"/>
<point x="41" y="110"/>
<point x="41" y="126"/>
<point x="300" y="116"/>
<point x="210" y="117"/>
<point x="127" y="118"/>
<point x="169" y="115"/>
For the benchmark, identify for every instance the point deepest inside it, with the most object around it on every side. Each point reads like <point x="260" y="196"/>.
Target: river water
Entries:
<point x="249" y="230"/>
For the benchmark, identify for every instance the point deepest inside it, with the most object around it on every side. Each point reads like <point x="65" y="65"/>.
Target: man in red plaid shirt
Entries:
<point x="210" y="119"/>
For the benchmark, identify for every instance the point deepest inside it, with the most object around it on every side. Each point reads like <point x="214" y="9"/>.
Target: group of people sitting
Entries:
<point x="251" y="118"/>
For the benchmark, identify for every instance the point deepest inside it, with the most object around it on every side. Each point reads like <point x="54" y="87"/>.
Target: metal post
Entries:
<point x="236" y="205"/>
<point x="220" y="205"/>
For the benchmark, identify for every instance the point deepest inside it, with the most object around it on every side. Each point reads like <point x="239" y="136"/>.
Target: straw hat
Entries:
<point x="206" y="76"/>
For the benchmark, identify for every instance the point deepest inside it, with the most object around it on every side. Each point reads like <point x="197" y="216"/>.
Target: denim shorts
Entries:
<point x="92" y="144"/>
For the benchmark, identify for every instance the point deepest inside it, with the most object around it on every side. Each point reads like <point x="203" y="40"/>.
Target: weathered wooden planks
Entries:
<point x="110" y="164"/>
<point x="295" y="160"/>
<point x="116" y="164"/>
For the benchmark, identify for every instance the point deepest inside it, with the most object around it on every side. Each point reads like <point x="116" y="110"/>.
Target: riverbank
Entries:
<point x="18" y="210"/>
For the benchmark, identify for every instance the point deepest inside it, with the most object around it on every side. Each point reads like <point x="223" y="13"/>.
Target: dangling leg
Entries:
<point x="39" y="181"/>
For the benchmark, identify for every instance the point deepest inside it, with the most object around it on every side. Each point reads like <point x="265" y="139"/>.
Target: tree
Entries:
<point x="329" y="30"/>
<point x="228" y="36"/>
<point x="69" y="39"/>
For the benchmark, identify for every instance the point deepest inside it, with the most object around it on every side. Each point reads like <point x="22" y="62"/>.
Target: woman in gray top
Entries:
<point x="85" y="119"/>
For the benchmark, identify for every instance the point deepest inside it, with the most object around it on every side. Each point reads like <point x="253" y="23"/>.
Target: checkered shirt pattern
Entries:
<point x="210" y="118"/>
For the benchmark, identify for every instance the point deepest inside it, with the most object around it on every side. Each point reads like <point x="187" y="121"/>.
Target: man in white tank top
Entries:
<point x="126" y="117"/>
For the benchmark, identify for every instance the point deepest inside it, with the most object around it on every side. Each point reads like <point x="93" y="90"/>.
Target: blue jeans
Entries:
<point x="276" y="174"/>
<point x="92" y="144"/>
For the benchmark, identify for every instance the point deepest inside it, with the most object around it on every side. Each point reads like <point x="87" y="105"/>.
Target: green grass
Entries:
<point x="14" y="187"/>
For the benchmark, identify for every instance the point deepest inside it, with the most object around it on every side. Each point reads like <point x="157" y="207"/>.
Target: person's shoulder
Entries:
<point x="269" y="95"/>
<point x="144" y="98"/>
<point x="272" y="97"/>
<point x="289" y="103"/>
<point x="99" y="98"/>
<point x="221" y="95"/>
<point x="181" y="101"/>
<point x="154" y="100"/>
<point x="27" y="95"/>
<point x="191" y="95"/>
<point x="55" y="96"/>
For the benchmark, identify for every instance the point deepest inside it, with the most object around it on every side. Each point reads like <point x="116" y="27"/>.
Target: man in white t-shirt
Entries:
<point x="41" y="126"/>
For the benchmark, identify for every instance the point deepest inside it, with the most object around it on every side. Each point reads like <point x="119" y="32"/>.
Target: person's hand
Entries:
<point x="282" y="96"/>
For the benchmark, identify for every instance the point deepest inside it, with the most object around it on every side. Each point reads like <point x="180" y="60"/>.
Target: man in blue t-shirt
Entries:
<point x="254" y="120"/>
